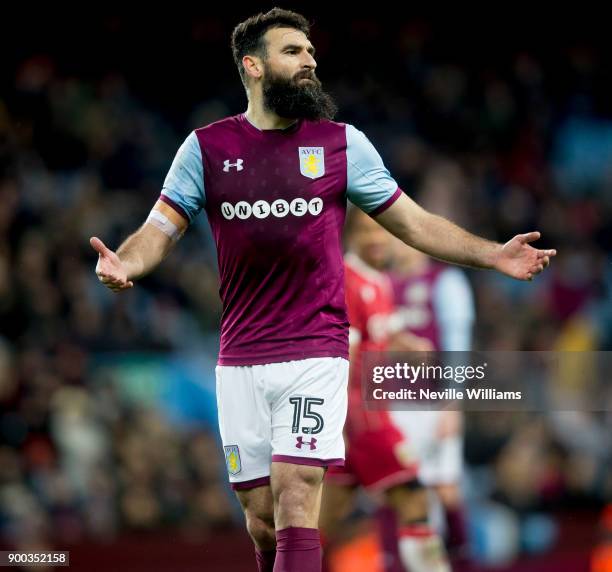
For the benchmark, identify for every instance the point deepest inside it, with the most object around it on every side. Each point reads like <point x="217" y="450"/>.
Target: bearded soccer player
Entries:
<point x="274" y="181"/>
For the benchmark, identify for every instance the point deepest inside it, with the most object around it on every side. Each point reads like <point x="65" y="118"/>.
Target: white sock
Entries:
<point x="422" y="550"/>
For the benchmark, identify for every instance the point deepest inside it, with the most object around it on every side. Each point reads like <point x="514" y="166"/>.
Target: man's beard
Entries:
<point x="293" y="98"/>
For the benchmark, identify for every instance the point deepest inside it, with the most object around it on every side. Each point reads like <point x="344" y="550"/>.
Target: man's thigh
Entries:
<point x="296" y="490"/>
<point x="257" y="501"/>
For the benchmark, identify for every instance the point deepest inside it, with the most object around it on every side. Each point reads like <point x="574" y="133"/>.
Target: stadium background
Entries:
<point x="108" y="443"/>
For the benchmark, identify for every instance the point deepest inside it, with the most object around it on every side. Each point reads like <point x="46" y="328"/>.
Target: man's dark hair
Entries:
<point x="247" y="37"/>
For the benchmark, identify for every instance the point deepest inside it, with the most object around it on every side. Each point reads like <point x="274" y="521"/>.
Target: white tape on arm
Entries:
<point x="164" y="224"/>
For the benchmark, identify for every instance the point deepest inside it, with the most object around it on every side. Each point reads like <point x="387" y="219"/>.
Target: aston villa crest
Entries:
<point x="232" y="459"/>
<point x="312" y="162"/>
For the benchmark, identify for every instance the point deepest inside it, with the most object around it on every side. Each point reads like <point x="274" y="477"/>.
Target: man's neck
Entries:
<point x="264" y="119"/>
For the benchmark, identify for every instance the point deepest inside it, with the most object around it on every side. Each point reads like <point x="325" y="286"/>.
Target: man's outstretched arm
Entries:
<point x="142" y="251"/>
<point x="444" y="240"/>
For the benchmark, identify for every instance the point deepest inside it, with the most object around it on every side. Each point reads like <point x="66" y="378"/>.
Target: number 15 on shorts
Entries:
<point x="303" y="408"/>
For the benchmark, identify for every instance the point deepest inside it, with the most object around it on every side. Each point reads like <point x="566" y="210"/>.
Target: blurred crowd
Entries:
<point x="517" y="140"/>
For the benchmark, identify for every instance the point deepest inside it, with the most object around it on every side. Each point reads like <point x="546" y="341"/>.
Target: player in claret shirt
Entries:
<point x="274" y="181"/>
<point x="379" y="457"/>
<point x="434" y="302"/>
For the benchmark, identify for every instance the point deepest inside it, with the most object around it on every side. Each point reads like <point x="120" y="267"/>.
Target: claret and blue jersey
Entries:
<point x="276" y="201"/>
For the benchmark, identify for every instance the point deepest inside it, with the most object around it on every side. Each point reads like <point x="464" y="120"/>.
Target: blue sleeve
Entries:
<point x="184" y="184"/>
<point x="454" y="304"/>
<point x="369" y="184"/>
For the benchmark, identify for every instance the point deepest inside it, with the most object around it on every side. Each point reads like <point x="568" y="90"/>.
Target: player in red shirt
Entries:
<point x="378" y="456"/>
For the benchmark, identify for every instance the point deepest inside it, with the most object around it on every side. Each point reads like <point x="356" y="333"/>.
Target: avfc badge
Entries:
<point x="232" y="459"/>
<point x="312" y="161"/>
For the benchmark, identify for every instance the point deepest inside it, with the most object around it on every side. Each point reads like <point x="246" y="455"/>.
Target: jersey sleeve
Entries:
<point x="454" y="303"/>
<point x="369" y="184"/>
<point x="183" y="188"/>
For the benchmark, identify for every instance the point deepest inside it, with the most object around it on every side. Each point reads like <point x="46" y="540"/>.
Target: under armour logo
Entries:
<point x="237" y="164"/>
<point x="300" y="442"/>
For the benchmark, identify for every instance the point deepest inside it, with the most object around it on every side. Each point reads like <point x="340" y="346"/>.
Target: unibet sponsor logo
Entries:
<point x="279" y="208"/>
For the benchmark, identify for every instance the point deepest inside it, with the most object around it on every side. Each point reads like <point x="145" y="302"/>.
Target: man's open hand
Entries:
<point x="520" y="260"/>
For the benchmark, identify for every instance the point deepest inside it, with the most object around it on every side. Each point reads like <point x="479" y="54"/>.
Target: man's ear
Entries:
<point x="252" y="66"/>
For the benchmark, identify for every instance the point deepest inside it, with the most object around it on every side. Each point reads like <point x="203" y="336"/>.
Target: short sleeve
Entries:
<point x="369" y="184"/>
<point x="454" y="304"/>
<point x="183" y="188"/>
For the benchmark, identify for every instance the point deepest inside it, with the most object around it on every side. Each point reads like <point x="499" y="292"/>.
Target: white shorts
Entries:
<point x="440" y="459"/>
<point x="292" y="412"/>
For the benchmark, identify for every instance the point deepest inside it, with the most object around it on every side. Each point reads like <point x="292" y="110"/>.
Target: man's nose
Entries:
<point x="309" y="61"/>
